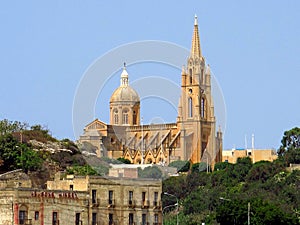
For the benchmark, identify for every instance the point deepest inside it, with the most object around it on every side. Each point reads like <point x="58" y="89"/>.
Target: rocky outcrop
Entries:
<point x="50" y="146"/>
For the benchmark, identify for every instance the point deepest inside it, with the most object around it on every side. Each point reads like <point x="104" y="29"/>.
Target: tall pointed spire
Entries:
<point x="196" y="50"/>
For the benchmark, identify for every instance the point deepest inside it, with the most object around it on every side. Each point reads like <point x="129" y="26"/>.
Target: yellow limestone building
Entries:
<point x="192" y="137"/>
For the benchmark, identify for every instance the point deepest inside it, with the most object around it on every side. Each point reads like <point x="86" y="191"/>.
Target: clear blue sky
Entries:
<point x="252" y="47"/>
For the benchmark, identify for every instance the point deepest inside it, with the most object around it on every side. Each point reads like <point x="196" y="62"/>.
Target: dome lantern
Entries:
<point x="124" y="103"/>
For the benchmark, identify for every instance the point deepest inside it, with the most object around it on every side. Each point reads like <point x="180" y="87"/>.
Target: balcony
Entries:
<point x="111" y="203"/>
<point x="156" y="204"/>
<point x="145" y="204"/>
<point x="95" y="202"/>
<point x="131" y="204"/>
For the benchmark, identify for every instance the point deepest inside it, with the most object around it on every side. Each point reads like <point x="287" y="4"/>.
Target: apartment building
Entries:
<point x="86" y="200"/>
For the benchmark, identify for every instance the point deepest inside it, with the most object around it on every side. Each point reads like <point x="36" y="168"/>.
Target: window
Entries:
<point x="143" y="196"/>
<point x="155" y="198"/>
<point x="22" y="216"/>
<point x="94" y="218"/>
<point x="202" y="107"/>
<point x="156" y="218"/>
<point x="130" y="218"/>
<point x="54" y="218"/>
<point x="125" y="116"/>
<point x="116" y="117"/>
<point x="36" y="215"/>
<point x="71" y="187"/>
<point x="134" y="118"/>
<point x="110" y="219"/>
<point x="77" y="219"/>
<point x="94" y="196"/>
<point x="144" y="219"/>
<point x="190" y="105"/>
<point x="110" y="197"/>
<point x="130" y="197"/>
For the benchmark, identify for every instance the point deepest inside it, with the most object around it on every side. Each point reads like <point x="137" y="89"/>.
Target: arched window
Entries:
<point x="134" y="118"/>
<point x="125" y="116"/>
<point x="190" y="105"/>
<point x="116" y="117"/>
<point x="202" y="108"/>
<point x="191" y="76"/>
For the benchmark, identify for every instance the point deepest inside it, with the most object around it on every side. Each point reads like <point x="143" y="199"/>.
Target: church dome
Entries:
<point x="124" y="93"/>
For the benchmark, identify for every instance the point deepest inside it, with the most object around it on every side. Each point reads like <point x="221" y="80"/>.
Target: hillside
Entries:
<point x="40" y="155"/>
<point x="265" y="191"/>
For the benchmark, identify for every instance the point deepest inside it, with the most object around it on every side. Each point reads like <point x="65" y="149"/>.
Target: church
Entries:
<point x="193" y="135"/>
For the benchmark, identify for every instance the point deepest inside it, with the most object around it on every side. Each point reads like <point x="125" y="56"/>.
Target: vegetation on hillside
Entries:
<point x="33" y="149"/>
<point x="16" y="155"/>
<point x="264" y="192"/>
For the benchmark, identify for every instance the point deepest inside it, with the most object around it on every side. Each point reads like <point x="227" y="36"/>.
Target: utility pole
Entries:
<point x="248" y="213"/>
<point x="142" y="143"/>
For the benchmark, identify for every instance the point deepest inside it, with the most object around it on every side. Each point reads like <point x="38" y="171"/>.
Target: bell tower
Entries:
<point x="192" y="79"/>
<point x="195" y="111"/>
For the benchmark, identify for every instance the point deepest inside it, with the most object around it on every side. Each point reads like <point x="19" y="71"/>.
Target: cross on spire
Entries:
<point x="195" y="49"/>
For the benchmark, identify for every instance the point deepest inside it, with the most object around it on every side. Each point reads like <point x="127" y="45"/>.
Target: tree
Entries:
<point x="150" y="172"/>
<point x="16" y="155"/>
<point x="289" y="150"/>
<point x="9" y="151"/>
<point x="195" y="180"/>
<point x="241" y="169"/>
<point x="28" y="160"/>
<point x="200" y="200"/>
<point x="176" y="186"/>
<point x="200" y="167"/>
<point x="262" y="171"/>
<point x="7" y="126"/>
<point x="81" y="170"/>
<point x="221" y="166"/>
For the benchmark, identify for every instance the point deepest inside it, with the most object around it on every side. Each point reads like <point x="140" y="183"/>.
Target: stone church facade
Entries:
<point x="192" y="137"/>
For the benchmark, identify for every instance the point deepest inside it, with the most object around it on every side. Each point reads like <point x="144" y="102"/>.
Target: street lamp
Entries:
<point x="168" y="206"/>
<point x="166" y="193"/>
<point x="229" y="200"/>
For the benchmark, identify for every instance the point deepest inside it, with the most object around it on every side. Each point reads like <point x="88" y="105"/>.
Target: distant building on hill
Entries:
<point x="256" y="155"/>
